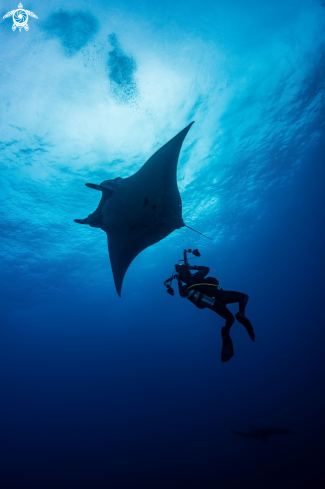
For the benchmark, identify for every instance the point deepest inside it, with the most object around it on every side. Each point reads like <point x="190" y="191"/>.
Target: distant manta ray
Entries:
<point x="138" y="211"/>
<point x="263" y="433"/>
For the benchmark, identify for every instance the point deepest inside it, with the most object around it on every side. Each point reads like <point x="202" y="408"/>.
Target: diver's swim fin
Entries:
<point x="227" y="351"/>
<point x="242" y="319"/>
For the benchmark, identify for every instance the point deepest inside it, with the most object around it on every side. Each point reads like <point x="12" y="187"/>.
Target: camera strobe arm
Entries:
<point x="169" y="280"/>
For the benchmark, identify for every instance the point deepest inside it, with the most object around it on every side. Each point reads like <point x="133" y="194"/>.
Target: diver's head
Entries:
<point x="183" y="272"/>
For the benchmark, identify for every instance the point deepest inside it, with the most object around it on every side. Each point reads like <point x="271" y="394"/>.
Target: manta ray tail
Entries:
<point x="197" y="232"/>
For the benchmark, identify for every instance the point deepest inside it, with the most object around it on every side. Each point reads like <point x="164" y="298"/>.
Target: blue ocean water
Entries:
<point x="100" y="391"/>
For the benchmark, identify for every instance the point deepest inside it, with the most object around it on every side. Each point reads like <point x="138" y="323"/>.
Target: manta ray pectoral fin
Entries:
<point x="124" y="247"/>
<point x="82" y="221"/>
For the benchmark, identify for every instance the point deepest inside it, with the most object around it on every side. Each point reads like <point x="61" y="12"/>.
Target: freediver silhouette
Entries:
<point x="205" y="292"/>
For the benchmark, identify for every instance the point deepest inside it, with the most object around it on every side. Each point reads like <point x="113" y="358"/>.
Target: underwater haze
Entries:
<point x="101" y="391"/>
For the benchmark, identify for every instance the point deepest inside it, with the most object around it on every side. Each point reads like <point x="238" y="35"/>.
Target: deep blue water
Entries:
<point x="99" y="391"/>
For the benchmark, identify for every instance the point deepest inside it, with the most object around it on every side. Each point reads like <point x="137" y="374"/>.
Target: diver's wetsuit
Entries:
<point x="209" y="286"/>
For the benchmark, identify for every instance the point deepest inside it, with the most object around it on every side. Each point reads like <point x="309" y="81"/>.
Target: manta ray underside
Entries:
<point x="138" y="211"/>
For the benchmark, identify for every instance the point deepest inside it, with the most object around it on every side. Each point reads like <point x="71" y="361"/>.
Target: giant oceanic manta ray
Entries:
<point x="138" y="211"/>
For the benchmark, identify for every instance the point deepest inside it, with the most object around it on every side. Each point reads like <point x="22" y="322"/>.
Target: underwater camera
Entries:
<point x="170" y="290"/>
<point x="169" y="281"/>
<point x="195" y="252"/>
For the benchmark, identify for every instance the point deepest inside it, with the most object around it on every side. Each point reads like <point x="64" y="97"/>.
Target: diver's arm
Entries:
<point x="182" y="289"/>
<point x="202" y="272"/>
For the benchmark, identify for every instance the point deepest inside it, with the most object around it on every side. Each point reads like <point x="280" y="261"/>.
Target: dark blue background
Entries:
<point x="99" y="391"/>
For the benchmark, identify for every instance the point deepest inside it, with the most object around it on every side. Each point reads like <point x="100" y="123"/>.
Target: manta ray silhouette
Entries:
<point x="138" y="211"/>
<point x="263" y="433"/>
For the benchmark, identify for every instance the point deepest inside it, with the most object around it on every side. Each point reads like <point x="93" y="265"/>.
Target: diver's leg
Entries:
<point x="242" y="319"/>
<point x="229" y="297"/>
<point x="227" y="351"/>
<point x="221" y="309"/>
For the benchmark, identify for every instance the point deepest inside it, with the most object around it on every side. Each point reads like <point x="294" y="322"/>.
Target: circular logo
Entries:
<point x="20" y="18"/>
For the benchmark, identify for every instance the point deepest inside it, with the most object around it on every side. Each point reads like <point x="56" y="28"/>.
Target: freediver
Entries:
<point x="205" y="292"/>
